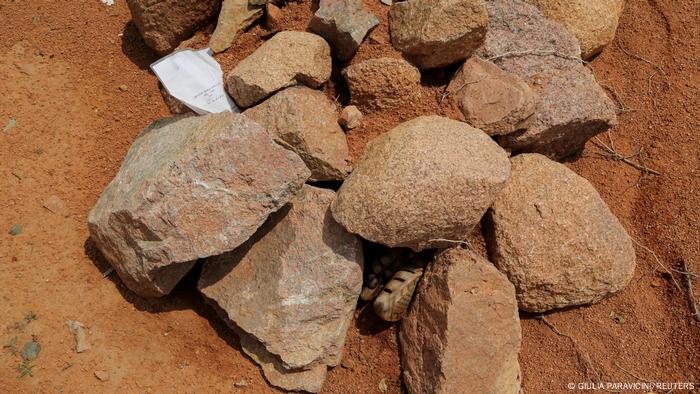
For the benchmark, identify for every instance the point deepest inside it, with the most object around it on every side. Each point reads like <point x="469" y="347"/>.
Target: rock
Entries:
<point x="102" y="376"/>
<point x="593" y="22"/>
<point x="16" y="229"/>
<point x="344" y="24"/>
<point x="426" y="181"/>
<point x="462" y="329"/>
<point x="437" y="33"/>
<point x="235" y="15"/>
<point x="571" y="106"/>
<point x="350" y="117"/>
<point x="305" y="121"/>
<point x="165" y="23"/>
<point x="175" y="106"/>
<point x="292" y="288"/>
<point x="383" y="84"/>
<point x="78" y="330"/>
<point x="288" y="58"/>
<point x="556" y="240"/>
<point x="190" y="188"/>
<point x="30" y="350"/>
<point x="273" y="17"/>
<point x="491" y="99"/>
<point x="54" y="204"/>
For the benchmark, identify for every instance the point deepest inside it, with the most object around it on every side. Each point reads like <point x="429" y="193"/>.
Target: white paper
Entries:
<point x="196" y="79"/>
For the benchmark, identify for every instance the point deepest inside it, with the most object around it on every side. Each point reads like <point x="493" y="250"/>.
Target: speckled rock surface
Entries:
<point x="383" y="84"/>
<point x="294" y="286"/>
<point x="190" y="188"/>
<point x="572" y="107"/>
<point x="344" y="24"/>
<point x="437" y="33"/>
<point x="462" y="329"/>
<point x="556" y="240"/>
<point x="593" y="22"/>
<point x="165" y="23"/>
<point x="428" y="179"/>
<point x="306" y="122"/>
<point x="235" y="16"/>
<point x="289" y="58"/>
<point x="491" y="99"/>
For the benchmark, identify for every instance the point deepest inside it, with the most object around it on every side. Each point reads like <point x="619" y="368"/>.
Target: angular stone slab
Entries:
<point x="555" y="238"/>
<point x="462" y="329"/>
<point x="344" y="24"/>
<point x="383" y="84"/>
<point x="306" y="121"/>
<point x="190" y="188"/>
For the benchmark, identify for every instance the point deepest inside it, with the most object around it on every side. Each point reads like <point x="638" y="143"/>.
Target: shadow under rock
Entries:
<point x="136" y="49"/>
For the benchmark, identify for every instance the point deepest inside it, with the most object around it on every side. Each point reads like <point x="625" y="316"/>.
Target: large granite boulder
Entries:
<point x="437" y="33"/>
<point x="165" y="23"/>
<point x="572" y="107"/>
<point x="383" y="84"/>
<point x="556" y="240"/>
<point x="190" y="188"/>
<point x="289" y="58"/>
<point x="423" y="184"/>
<point x="462" y="332"/>
<point x="292" y="289"/>
<point x="306" y="121"/>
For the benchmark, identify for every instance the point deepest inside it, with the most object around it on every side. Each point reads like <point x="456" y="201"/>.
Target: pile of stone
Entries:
<point x="282" y="257"/>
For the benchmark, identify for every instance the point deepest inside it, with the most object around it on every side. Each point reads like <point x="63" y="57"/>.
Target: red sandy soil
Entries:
<point x="62" y="64"/>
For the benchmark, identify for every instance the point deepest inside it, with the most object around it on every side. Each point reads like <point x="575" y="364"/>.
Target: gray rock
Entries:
<point x="305" y="121"/>
<point x="344" y="24"/>
<point x="426" y="181"/>
<point x="437" y="33"/>
<point x="556" y="240"/>
<point x="165" y="23"/>
<point x="572" y="107"/>
<point x="292" y="288"/>
<point x="462" y="330"/>
<point x="190" y="188"/>
<point x="289" y="58"/>
<point x="235" y="15"/>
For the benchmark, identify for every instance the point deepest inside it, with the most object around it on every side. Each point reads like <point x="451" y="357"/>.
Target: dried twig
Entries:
<point x="691" y="295"/>
<point x="632" y="374"/>
<point x="108" y="272"/>
<point x="634" y="55"/>
<point x="535" y="52"/>
<point x="618" y="97"/>
<point x="611" y="152"/>
<point x="659" y="263"/>
<point x="452" y="241"/>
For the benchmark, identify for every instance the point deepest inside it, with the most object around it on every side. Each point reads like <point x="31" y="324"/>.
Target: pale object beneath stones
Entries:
<point x="556" y="240"/>
<point x="344" y="24"/>
<point x="491" y="99"/>
<point x="350" y="117"/>
<point x="462" y="330"/>
<point x="78" y="330"/>
<point x="292" y="287"/>
<point x="305" y="121"/>
<point x="437" y="33"/>
<point x="235" y="15"/>
<point x="190" y="188"/>
<point x="289" y="58"/>
<point x="571" y="106"/>
<point x="422" y="184"/>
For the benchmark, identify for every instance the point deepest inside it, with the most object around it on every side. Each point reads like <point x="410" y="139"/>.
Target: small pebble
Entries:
<point x="102" y="375"/>
<point x="31" y="350"/>
<point x="10" y="124"/>
<point x="383" y="386"/>
<point x="350" y="117"/>
<point x="387" y="2"/>
<point x="16" y="229"/>
<point x="241" y="383"/>
<point x="123" y="88"/>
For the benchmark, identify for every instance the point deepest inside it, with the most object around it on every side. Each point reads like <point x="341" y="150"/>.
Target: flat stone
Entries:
<point x="190" y="188"/>
<point x="344" y="24"/>
<point x="427" y="181"/>
<point x="289" y="58"/>
<point x="555" y="238"/>
<point x="437" y="33"/>
<point x="462" y="329"/>
<point x="572" y="107"/>
<point x="491" y="99"/>
<point x="305" y="121"/>
<point x="593" y="22"/>
<point x="293" y="287"/>
<point x="383" y="84"/>
<point x="165" y="23"/>
<point x="235" y="15"/>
